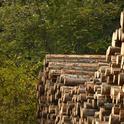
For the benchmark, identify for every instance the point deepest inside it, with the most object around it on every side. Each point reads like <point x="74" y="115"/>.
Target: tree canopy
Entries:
<point x="31" y="28"/>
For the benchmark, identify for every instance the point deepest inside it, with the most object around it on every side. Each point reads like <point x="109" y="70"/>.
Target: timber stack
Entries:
<point x="83" y="89"/>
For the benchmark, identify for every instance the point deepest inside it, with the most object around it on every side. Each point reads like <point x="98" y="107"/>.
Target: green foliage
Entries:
<point x="31" y="28"/>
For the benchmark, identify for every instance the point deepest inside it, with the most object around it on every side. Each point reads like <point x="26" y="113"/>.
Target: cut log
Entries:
<point x="103" y="64"/>
<point x="114" y="65"/>
<point x="103" y="113"/>
<point x="114" y="119"/>
<point x="105" y="89"/>
<point x="87" y="105"/>
<point x="59" y="56"/>
<point x="115" y="79"/>
<point x="87" y="112"/>
<point x="112" y="50"/>
<point x="102" y="69"/>
<point x="81" y="89"/>
<point x="110" y="79"/>
<point x="103" y="78"/>
<point x="122" y="20"/>
<point x="115" y="39"/>
<point x="115" y="110"/>
<point x="122" y="62"/>
<point x="120" y="34"/>
<point x="120" y="98"/>
<point x="113" y="58"/>
<point x="97" y="74"/>
<point x="100" y="100"/>
<point x="122" y="38"/>
<point x="63" y="110"/>
<point x="90" y="120"/>
<point x="77" y="72"/>
<point x="62" y="64"/>
<point x="74" y="81"/>
<point x="53" y="74"/>
<point x="82" y="98"/>
<point x="122" y="48"/>
<point x="90" y="87"/>
<point x="93" y="69"/>
<point x="118" y="59"/>
<point x="66" y="98"/>
<point x="114" y="92"/>
<point x="108" y="58"/>
<point x="121" y="79"/>
<point x="107" y="71"/>
<point x="115" y="71"/>
<point x="121" y="115"/>
<point x="74" y="58"/>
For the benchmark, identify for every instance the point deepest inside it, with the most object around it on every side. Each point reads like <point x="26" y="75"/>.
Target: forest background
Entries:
<point x="29" y="29"/>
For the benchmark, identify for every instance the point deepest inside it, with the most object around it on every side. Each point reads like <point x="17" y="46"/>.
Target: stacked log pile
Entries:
<point x="83" y="89"/>
<point x="61" y="90"/>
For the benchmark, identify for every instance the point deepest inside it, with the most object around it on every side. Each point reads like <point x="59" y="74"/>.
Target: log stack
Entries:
<point x="83" y="89"/>
<point x="61" y="90"/>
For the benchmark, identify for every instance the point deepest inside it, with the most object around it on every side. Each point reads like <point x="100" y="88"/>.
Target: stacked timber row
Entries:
<point x="61" y="90"/>
<point x="87" y="89"/>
